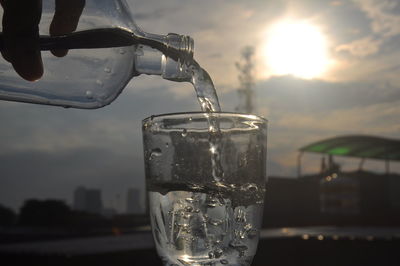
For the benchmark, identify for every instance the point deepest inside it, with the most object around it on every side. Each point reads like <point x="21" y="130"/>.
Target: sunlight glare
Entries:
<point x="296" y="48"/>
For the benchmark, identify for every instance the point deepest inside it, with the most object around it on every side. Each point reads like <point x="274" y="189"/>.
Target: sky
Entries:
<point x="351" y="49"/>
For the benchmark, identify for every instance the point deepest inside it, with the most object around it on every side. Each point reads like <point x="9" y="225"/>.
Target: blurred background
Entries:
<point x="315" y="69"/>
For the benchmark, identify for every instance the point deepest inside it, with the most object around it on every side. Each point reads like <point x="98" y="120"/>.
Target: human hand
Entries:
<point x="21" y="32"/>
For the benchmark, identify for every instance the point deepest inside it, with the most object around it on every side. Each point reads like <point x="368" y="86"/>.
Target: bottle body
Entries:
<point x="84" y="78"/>
<point x="91" y="77"/>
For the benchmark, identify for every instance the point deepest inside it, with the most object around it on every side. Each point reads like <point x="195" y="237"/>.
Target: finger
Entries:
<point x="65" y="20"/>
<point x="4" y="51"/>
<point x="21" y="37"/>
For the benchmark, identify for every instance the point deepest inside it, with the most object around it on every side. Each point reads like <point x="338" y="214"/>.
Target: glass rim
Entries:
<point x="250" y="116"/>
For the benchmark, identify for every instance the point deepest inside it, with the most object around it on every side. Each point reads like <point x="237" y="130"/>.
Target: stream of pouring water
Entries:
<point x="204" y="87"/>
<point x="208" y="99"/>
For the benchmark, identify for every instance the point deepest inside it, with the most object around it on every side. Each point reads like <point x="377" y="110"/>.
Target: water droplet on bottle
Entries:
<point x="89" y="95"/>
<point x="107" y="70"/>
<point x="184" y="132"/>
<point x="99" y="83"/>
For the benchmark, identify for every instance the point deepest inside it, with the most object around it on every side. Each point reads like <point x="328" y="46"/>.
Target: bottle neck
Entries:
<point x="151" y="61"/>
<point x="175" y="46"/>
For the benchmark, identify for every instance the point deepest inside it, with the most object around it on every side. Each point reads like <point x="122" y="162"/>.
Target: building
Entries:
<point x="88" y="200"/>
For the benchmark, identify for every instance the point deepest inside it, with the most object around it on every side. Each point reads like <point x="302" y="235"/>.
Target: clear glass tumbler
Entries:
<point x="205" y="177"/>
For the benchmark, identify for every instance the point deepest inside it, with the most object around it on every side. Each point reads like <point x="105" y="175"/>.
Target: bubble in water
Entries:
<point x="89" y="94"/>
<point x="247" y="227"/>
<point x="184" y="132"/>
<point x="243" y="161"/>
<point x="218" y="252"/>
<point x="166" y="145"/>
<point x="212" y="202"/>
<point x="252" y="233"/>
<point x="155" y="153"/>
<point x="250" y="187"/>
<point x="107" y="70"/>
<point x="190" y="200"/>
<point x="215" y="222"/>
<point x="211" y="205"/>
<point x="211" y="255"/>
<point x="240" y="216"/>
<point x="188" y="209"/>
<point x="224" y="261"/>
<point x="239" y="247"/>
<point x="260" y="201"/>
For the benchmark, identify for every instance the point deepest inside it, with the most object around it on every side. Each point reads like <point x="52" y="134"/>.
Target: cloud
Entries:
<point x="384" y="21"/>
<point x="362" y="47"/>
<point x="384" y="25"/>
<point x="336" y="3"/>
<point x="377" y="119"/>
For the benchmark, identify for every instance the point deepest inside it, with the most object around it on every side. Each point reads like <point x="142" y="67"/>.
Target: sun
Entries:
<point x="296" y="48"/>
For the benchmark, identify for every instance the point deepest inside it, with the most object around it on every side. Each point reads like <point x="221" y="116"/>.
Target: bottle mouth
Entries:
<point x="180" y="46"/>
<point x="188" y="46"/>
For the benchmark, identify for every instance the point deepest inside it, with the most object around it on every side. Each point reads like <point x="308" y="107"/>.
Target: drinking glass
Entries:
<point x="205" y="177"/>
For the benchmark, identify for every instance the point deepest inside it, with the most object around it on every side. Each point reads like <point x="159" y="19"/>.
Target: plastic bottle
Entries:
<point x="104" y="53"/>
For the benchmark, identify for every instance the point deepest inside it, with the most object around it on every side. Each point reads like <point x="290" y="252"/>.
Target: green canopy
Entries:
<point x="357" y="146"/>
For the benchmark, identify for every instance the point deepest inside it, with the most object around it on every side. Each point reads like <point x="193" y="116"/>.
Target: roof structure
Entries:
<point x="360" y="146"/>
